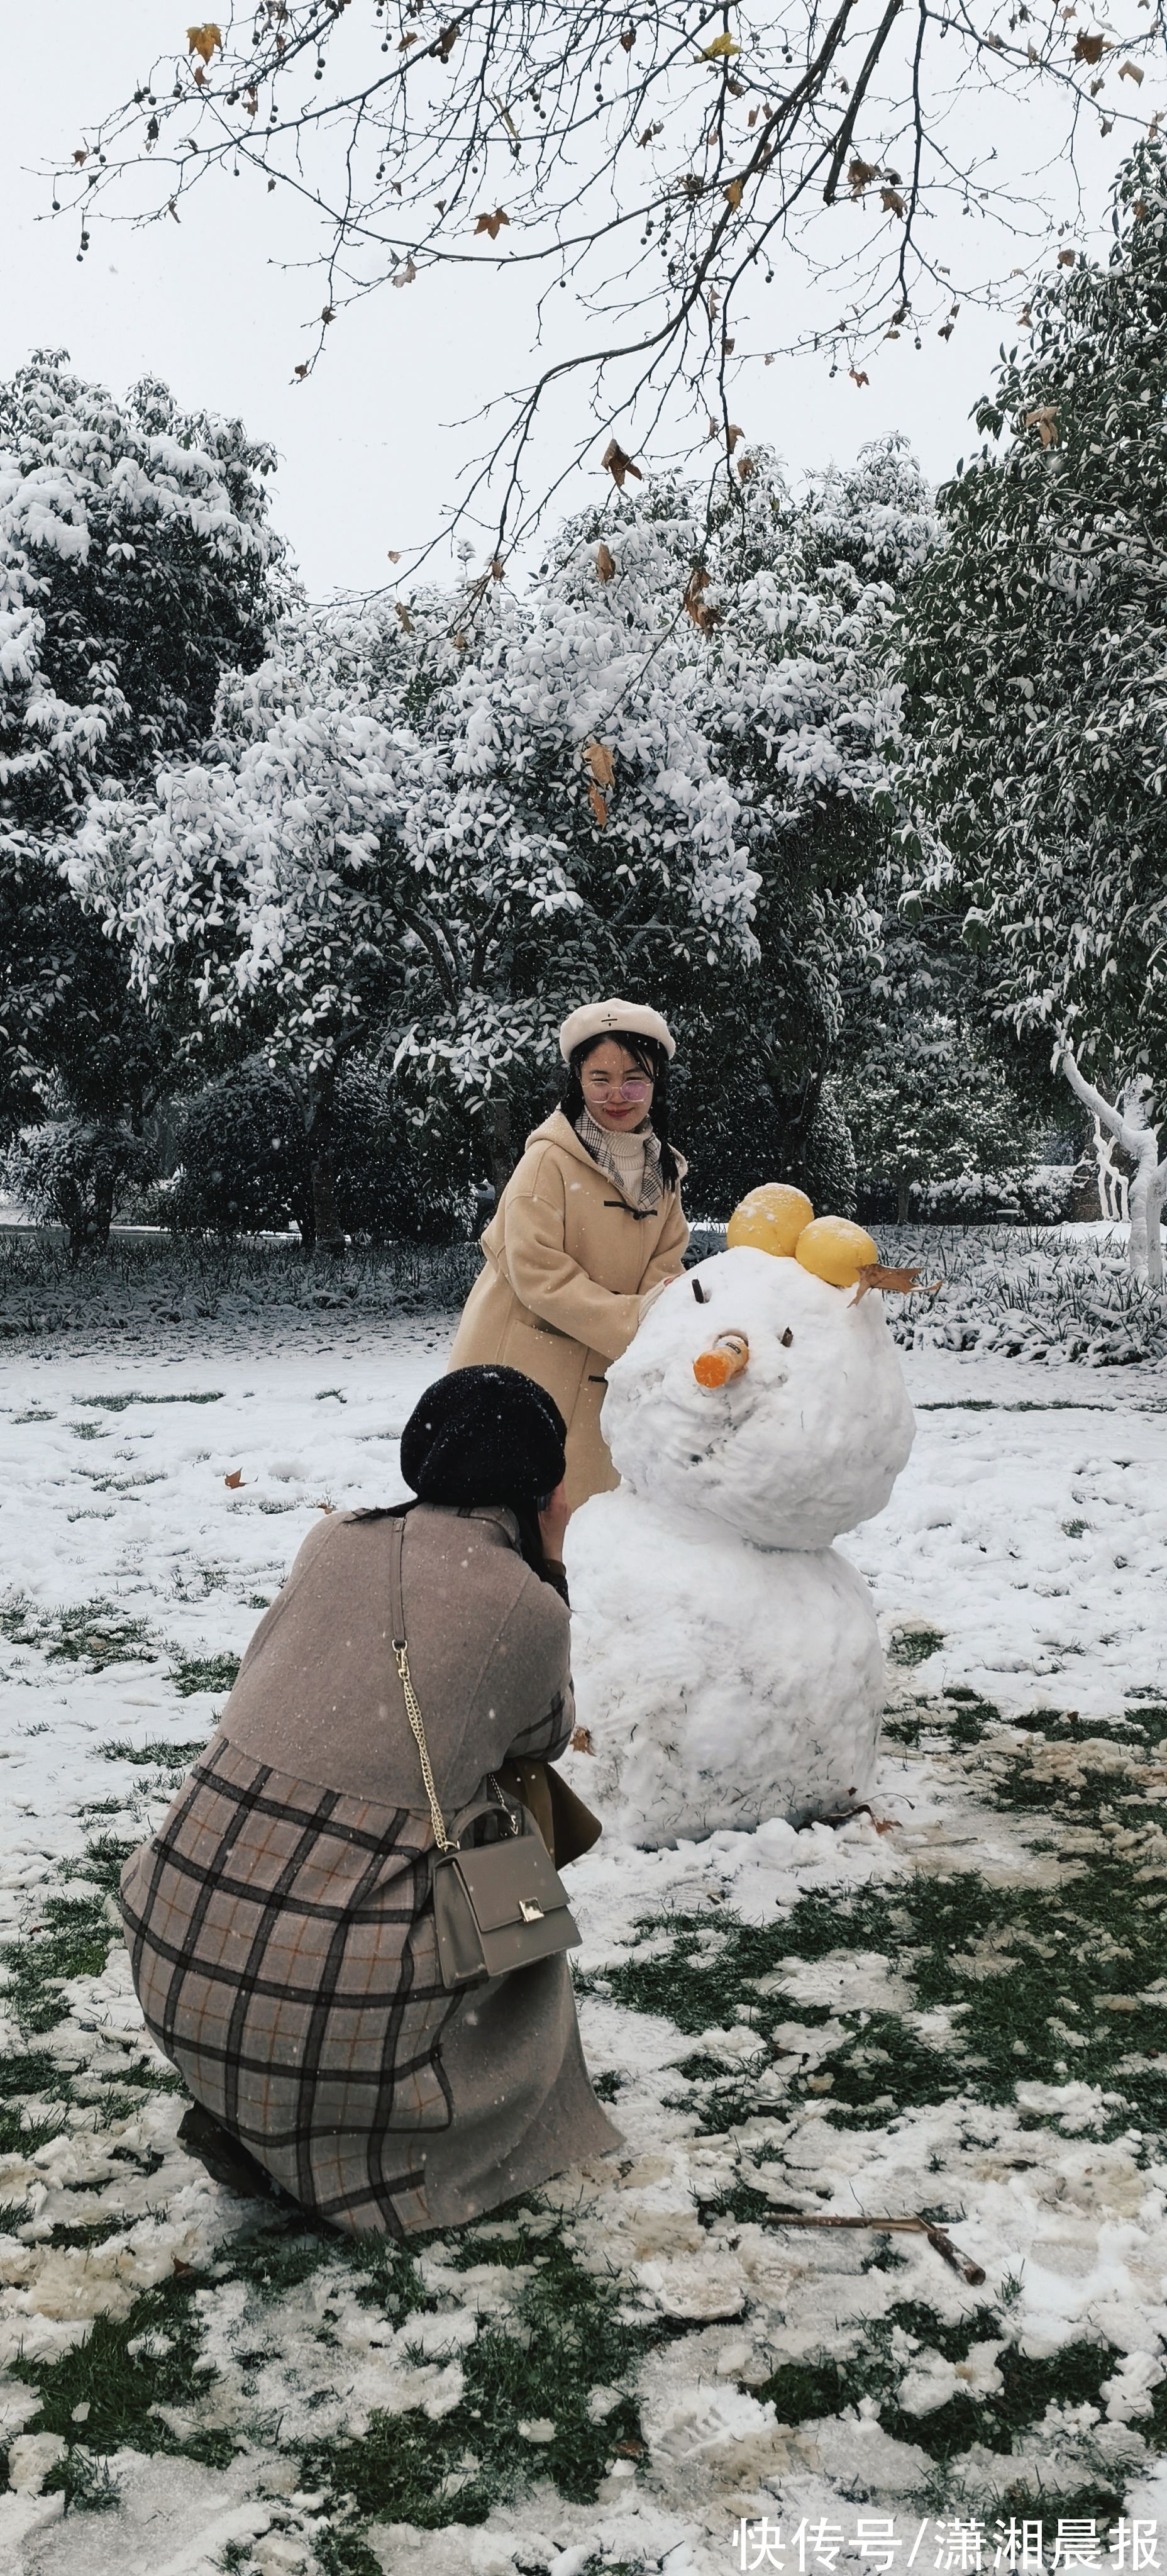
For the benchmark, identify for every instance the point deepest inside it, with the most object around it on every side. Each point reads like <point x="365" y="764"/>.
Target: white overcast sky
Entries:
<point x="371" y="443"/>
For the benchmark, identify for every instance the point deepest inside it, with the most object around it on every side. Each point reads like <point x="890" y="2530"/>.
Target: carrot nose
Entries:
<point x="725" y="1359"/>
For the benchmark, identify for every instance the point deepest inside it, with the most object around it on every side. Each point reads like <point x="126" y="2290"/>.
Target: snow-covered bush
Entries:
<point x="1061" y="1293"/>
<point x="1037" y="1196"/>
<point x="74" y="1172"/>
<point x="244" y="1162"/>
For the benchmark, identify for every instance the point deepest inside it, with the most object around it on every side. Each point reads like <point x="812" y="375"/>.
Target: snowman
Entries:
<point x="727" y="1662"/>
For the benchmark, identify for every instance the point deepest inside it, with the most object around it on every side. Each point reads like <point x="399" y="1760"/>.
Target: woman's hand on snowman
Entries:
<point x="553" y="1524"/>
<point x="657" y="1290"/>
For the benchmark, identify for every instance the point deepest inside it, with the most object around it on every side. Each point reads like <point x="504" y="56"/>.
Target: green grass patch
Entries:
<point x="157" y="1754"/>
<point x="1031" y="1972"/>
<point x="194" y="1673"/>
<point x="120" y="1403"/>
<point x="90" y="1632"/>
<point x="72" y="1938"/>
<point x="562" y="2338"/>
<point x="914" y="1645"/>
<point x="954" y="1722"/>
<point x="805" y="2390"/>
<point x="120" y="2388"/>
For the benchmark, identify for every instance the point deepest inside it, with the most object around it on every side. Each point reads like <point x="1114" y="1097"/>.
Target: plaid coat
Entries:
<point x="281" y="1926"/>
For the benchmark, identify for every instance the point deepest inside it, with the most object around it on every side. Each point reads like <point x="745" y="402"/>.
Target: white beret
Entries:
<point x="600" y="1019"/>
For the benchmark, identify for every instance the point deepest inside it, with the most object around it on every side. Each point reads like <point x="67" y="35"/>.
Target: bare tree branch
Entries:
<point x="654" y="159"/>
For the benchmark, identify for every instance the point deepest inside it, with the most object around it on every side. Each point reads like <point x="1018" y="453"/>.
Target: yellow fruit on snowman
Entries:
<point x="834" y="1249"/>
<point x="771" y="1218"/>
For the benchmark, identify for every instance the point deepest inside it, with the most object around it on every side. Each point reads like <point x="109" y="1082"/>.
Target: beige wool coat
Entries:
<point x="568" y="1266"/>
<point x="281" y="1924"/>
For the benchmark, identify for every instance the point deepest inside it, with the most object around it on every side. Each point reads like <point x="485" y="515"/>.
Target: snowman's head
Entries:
<point x="802" y="1437"/>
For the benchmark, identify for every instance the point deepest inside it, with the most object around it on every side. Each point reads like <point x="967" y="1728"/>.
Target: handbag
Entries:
<point x="499" y="1905"/>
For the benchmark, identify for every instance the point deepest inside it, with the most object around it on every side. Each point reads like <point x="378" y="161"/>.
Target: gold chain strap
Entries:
<point x="413" y="1712"/>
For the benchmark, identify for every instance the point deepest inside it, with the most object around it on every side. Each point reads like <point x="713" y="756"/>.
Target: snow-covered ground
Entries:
<point x="623" y="2371"/>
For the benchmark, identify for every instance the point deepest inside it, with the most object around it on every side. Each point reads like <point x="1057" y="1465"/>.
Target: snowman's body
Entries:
<point x="727" y="1662"/>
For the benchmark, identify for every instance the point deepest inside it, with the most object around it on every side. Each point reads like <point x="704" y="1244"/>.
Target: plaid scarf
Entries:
<point x="605" y="1150"/>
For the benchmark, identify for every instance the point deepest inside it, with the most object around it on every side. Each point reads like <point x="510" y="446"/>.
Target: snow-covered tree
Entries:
<point x="1036" y="664"/>
<point x="925" y="1100"/>
<point x="770" y="1055"/>
<point x="136" y="564"/>
<point x="436" y="830"/>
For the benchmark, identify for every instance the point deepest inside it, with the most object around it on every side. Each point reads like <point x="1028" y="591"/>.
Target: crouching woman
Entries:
<point x="281" y="1921"/>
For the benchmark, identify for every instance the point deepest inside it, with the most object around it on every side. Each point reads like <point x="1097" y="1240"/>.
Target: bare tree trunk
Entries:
<point x="502" y="1152"/>
<point x="320" y="1129"/>
<point x="903" y="1198"/>
<point x="88" y="1226"/>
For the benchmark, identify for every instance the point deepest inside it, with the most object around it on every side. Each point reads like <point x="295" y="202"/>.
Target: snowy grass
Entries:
<point x="952" y="2010"/>
<point x="135" y="1289"/>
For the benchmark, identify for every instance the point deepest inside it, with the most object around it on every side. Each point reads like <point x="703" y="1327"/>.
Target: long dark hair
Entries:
<point x="531" y="1543"/>
<point x="652" y="1058"/>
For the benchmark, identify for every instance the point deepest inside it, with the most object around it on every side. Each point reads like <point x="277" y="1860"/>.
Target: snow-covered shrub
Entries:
<point x="244" y="1161"/>
<point x="1062" y="1292"/>
<point x="74" y="1172"/>
<point x="1034" y="1196"/>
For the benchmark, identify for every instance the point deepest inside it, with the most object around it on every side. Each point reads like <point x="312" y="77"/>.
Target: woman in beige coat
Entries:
<point x="281" y="1921"/>
<point x="589" y="1225"/>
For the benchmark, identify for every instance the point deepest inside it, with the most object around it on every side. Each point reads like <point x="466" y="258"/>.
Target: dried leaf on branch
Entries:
<point x="598" y="805"/>
<point x="605" y="562"/>
<point x="203" y="41"/>
<point x="404" y="619"/>
<point x="1044" y="419"/>
<point x="705" y="617"/>
<point x="492" y="224"/>
<point x="618" y="464"/>
<point x="600" y="762"/>
<point x="720" y="49"/>
<point x="1090" y="49"/>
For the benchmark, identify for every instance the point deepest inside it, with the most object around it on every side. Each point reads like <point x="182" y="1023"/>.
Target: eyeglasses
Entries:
<point x="637" y="1088"/>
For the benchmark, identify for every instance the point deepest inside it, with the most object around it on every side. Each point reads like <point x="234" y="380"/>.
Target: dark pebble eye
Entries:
<point x="787" y="1338"/>
<point x="699" y="1293"/>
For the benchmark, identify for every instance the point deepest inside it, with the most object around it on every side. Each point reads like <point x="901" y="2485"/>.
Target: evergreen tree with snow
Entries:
<point x="1036" y="668"/>
<point x="136" y="565"/>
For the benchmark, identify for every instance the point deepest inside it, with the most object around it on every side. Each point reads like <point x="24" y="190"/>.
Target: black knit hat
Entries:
<point x="484" y="1435"/>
